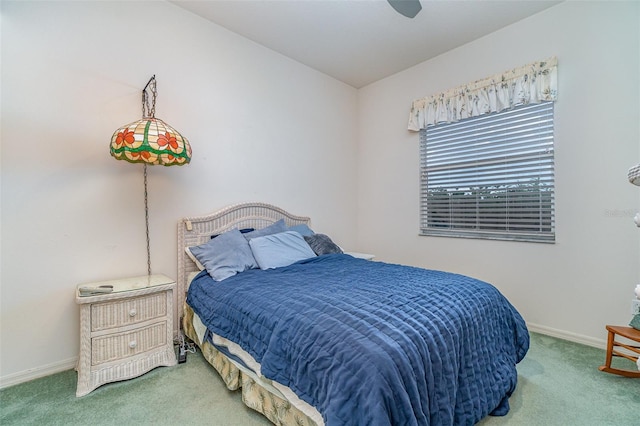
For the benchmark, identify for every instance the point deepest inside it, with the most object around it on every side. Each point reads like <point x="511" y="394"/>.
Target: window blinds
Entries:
<point x="490" y="176"/>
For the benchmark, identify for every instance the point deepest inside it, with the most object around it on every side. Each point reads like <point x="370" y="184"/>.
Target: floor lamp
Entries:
<point x="150" y="141"/>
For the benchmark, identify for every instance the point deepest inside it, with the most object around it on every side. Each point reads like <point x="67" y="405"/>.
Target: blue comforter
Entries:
<point x="371" y="343"/>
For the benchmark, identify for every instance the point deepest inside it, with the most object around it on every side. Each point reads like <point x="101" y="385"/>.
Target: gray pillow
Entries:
<point x="225" y="255"/>
<point x="274" y="228"/>
<point x="322" y="244"/>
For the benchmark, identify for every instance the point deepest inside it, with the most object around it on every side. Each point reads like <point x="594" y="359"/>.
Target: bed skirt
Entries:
<point x="275" y="408"/>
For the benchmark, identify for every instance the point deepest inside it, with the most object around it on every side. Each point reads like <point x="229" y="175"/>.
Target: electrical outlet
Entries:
<point x="635" y="307"/>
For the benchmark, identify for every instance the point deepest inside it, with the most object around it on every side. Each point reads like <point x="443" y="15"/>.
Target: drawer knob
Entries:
<point x="133" y="344"/>
<point x="133" y="312"/>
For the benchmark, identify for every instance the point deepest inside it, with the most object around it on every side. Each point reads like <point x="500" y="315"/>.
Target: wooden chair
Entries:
<point x="629" y="333"/>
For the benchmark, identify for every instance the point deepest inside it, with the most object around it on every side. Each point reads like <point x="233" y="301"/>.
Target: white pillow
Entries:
<point x="277" y="250"/>
<point x="195" y="259"/>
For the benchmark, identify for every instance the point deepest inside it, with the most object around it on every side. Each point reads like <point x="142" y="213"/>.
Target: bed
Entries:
<point x="335" y="339"/>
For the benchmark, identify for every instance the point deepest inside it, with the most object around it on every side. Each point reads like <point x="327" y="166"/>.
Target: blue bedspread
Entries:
<point x="371" y="343"/>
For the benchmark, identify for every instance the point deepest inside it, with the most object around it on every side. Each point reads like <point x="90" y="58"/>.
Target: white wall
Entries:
<point x="266" y="128"/>
<point x="586" y="279"/>
<point x="262" y="128"/>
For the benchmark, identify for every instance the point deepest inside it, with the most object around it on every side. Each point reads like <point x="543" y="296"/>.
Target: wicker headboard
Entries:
<point x="193" y="231"/>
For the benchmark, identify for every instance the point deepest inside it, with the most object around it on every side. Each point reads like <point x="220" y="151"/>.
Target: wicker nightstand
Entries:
<point x="125" y="333"/>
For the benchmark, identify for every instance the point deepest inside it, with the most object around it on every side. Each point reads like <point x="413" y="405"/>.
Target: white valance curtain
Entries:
<point x="529" y="84"/>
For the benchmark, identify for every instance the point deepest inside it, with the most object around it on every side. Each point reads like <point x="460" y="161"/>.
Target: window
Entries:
<point x="490" y="176"/>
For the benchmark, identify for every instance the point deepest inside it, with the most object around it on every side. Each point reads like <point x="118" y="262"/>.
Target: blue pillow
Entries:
<point x="283" y="249"/>
<point x="274" y="228"/>
<point x="303" y="230"/>
<point x="225" y="255"/>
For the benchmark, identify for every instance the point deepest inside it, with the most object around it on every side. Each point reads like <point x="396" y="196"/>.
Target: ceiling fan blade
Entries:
<point x="408" y="8"/>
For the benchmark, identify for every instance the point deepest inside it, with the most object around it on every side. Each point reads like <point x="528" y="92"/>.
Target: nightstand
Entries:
<point x="125" y="333"/>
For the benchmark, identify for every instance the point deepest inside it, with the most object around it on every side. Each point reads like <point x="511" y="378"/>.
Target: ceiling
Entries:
<point x="362" y="41"/>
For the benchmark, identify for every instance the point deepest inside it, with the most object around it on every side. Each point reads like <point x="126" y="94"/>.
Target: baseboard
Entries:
<point x="37" y="372"/>
<point x="57" y="367"/>
<point x="567" y="335"/>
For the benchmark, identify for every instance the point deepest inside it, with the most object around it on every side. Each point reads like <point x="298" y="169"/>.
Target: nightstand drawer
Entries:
<point x="129" y="311"/>
<point x="121" y="345"/>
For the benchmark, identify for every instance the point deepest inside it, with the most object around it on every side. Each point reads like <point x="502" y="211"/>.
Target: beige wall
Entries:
<point x="262" y="128"/>
<point x="586" y="279"/>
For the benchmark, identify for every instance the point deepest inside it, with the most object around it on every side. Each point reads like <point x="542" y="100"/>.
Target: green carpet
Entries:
<point x="558" y="384"/>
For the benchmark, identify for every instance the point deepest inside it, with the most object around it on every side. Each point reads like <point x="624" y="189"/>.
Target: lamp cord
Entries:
<point x="148" y="112"/>
<point x="146" y="220"/>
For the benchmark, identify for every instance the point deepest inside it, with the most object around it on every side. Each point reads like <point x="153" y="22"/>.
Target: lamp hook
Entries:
<point x="146" y="111"/>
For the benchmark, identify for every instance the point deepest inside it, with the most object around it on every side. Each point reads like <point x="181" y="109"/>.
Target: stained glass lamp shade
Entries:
<point x="150" y="141"/>
<point x="634" y="175"/>
<point x="634" y="178"/>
